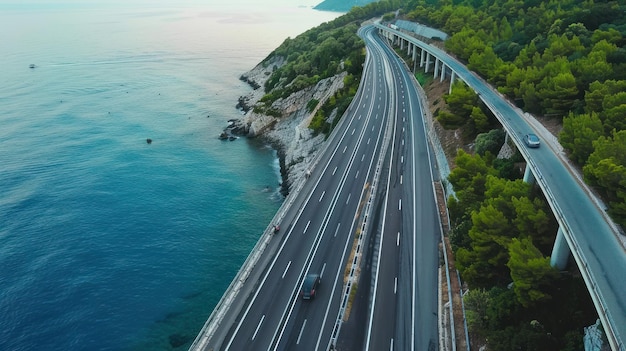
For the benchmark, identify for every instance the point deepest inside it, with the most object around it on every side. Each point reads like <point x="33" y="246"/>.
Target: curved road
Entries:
<point x="317" y="234"/>
<point x="404" y="304"/>
<point x="600" y="256"/>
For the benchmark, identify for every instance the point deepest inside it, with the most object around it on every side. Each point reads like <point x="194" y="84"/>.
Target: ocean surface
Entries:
<point x="108" y="242"/>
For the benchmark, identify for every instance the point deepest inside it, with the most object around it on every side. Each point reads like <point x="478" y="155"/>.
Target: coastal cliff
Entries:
<point x="289" y="132"/>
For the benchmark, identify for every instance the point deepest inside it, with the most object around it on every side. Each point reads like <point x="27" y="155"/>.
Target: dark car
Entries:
<point x="531" y="140"/>
<point x="309" y="286"/>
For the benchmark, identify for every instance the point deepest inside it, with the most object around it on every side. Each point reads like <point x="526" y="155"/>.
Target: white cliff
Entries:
<point x="289" y="133"/>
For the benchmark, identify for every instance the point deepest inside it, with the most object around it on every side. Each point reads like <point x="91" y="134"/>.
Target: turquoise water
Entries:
<point x="108" y="242"/>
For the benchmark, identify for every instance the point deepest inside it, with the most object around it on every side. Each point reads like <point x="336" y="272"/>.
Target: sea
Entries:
<point x="108" y="242"/>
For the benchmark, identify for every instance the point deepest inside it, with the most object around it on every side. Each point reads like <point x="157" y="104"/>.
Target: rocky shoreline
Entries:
<point x="289" y="134"/>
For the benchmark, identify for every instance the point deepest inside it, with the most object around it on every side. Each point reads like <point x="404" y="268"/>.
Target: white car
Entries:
<point x="531" y="140"/>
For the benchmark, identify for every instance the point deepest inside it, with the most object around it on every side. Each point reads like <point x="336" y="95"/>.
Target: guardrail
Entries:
<point x="607" y="322"/>
<point x="223" y="306"/>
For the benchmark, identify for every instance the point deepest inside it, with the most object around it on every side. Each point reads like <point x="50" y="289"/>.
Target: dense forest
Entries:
<point x="563" y="60"/>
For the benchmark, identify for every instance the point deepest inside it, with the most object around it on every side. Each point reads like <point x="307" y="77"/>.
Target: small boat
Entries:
<point x="32" y="65"/>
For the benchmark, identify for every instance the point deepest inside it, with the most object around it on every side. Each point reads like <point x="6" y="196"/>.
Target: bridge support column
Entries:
<point x="560" y="251"/>
<point x="427" y="62"/>
<point x="401" y="43"/>
<point x="422" y="58"/>
<point x="443" y="72"/>
<point x="452" y="79"/>
<point x="436" y="68"/>
<point x="529" y="177"/>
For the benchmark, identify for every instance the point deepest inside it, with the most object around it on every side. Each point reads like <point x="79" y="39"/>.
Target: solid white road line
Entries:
<point x="307" y="226"/>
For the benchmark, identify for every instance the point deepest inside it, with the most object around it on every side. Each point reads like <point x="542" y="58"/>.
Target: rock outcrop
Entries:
<point x="289" y="133"/>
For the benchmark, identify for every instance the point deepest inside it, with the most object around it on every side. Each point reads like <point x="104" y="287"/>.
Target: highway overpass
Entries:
<point x="585" y="230"/>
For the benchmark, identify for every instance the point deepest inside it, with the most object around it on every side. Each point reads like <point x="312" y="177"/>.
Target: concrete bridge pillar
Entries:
<point x="427" y="62"/>
<point x="422" y="58"/>
<point x="401" y="43"/>
<point x="529" y="177"/>
<point x="452" y="79"/>
<point x="443" y="72"/>
<point x="436" y="68"/>
<point x="560" y="251"/>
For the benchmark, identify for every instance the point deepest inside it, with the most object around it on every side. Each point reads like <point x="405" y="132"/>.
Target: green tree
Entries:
<point x="468" y="168"/>
<point x="532" y="220"/>
<point x="461" y="100"/>
<point x="530" y="96"/>
<point x="578" y="134"/>
<point x="614" y="109"/>
<point x="491" y="142"/>
<point x="530" y="271"/>
<point x="594" y="65"/>
<point x="485" y="62"/>
<point x="466" y="42"/>
<point x="476" y="302"/>
<point x="559" y="93"/>
<point x="606" y="169"/>
<point x="484" y="264"/>
<point x="449" y="120"/>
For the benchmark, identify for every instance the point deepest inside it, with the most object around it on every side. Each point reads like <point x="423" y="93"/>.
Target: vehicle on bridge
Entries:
<point x="531" y="140"/>
<point x="309" y="286"/>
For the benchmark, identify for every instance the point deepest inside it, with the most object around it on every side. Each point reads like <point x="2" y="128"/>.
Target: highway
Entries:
<point x="598" y="253"/>
<point x="317" y="233"/>
<point x="379" y="151"/>
<point x="380" y="138"/>
<point x="404" y="304"/>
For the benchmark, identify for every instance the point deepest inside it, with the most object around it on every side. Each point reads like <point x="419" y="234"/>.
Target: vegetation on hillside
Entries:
<point x="502" y="234"/>
<point x="562" y="59"/>
<point x="319" y="53"/>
